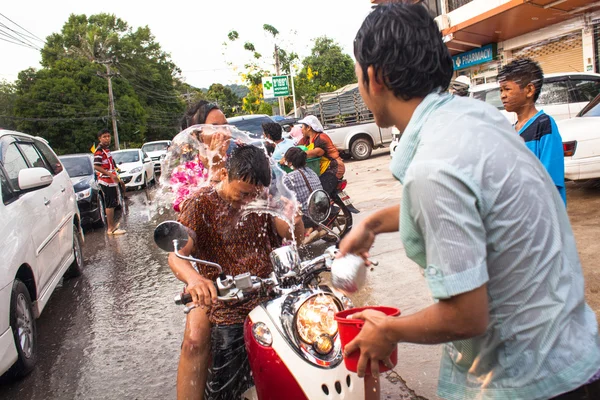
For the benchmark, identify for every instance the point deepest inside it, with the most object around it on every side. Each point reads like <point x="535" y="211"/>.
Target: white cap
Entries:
<point x="464" y="80"/>
<point x="313" y="122"/>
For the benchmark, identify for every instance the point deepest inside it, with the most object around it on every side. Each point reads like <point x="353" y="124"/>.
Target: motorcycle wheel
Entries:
<point x="341" y="225"/>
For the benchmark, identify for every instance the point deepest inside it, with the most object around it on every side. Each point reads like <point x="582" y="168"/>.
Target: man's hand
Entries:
<point x="358" y="241"/>
<point x="372" y="342"/>
<point x="202" y="290"/>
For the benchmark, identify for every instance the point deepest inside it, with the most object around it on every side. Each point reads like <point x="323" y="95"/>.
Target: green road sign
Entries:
<point x="281" y="86"/>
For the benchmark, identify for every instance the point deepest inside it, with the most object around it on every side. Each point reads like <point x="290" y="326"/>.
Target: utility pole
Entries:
<point x="111" y="102"/>
<point x="280" y="99"/>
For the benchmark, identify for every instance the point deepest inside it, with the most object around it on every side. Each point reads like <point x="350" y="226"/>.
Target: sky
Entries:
<point x="192" y="32"/>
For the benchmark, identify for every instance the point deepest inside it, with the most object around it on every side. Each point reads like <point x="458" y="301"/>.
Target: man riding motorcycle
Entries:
<point x="239" y="244"/>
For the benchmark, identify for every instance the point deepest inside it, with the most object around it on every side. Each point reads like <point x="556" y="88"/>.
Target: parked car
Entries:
<point x="136" y="167"/>
<point x="41" y="243"/>
<point x="157" y="151"/>
<point x="563" y="95"/>
<point x="581" y="143"/>
<point x="250" y="123"/>
<point x="90" y="199"/>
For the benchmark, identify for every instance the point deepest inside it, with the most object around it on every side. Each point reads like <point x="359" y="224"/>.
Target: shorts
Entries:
<point x="111" y="196"/>
<point x="329" y="182"/>
<point x="229" y="374"/>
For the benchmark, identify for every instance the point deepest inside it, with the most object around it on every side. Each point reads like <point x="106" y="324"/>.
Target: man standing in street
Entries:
<point x="108" y="179"/>
<point x="483" y="219"/>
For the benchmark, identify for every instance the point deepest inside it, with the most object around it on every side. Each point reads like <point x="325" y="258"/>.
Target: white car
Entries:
<point x="137" y="168"/>
<point x="395" y="140"/>
<point x="563" y="95"/>
<point x="41" y="242"/>
<point x="581" y="143"/>
<point x="157" y="151"/>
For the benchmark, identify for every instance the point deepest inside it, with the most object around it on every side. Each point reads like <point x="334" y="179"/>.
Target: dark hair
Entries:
<point x="249" y="164"/>
<point x="197" y="113"/>
<point x="296" y="156"/>
<point x="102" y="132"/>
<point x="273" y="130"/>
<point x="523" y="72"/>
<point x="404" y="46"/>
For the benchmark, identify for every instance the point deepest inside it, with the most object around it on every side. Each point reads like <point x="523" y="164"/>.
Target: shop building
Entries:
<point x="483" y="35"/>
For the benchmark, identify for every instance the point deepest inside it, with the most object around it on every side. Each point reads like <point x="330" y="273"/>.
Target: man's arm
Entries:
<point x="203" y="291"/>
<point x="360" y="238"/>
<point x="553" y="159"/>
<point x="284" y="231"/>
<point x="103" y="171"/>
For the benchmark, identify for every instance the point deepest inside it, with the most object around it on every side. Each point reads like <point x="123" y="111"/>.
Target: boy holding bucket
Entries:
<point x="483" y="219"/>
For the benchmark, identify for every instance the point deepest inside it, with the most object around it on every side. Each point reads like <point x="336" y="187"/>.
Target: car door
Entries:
<point x="582" y="90"/>
<point x="65" y="196"/>
<point x="38" y="212"/>
<point x="554" y="98"/>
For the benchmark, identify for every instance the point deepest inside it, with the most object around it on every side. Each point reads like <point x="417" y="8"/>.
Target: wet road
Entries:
<point x="114" y="332"/>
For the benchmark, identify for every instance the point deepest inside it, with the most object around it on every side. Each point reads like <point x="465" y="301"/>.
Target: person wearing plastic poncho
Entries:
<point x="482" y="218"/>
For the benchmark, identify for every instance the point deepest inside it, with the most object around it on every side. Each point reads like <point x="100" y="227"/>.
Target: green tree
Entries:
<point x="67" y="105"/>
<point x="7" y="103"/>
<point x="225" y="98"/>
<point x="137" y="58"/>
<point x="326" y="69"/>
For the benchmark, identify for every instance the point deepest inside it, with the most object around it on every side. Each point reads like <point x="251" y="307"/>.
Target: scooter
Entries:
<point x="292" y="340"/>
<point x="339" y="221"/>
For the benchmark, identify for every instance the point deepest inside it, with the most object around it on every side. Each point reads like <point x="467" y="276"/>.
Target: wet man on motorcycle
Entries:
<point x="239" y="244"/>
<point x="319" y="144"/>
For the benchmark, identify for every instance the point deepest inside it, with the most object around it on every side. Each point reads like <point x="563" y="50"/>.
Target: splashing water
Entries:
<point x="196" y="156"/>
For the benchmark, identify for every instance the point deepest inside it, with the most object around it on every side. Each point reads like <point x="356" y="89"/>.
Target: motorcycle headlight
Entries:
<point x="315" y="321"/>
<point x="84" y="194"/>
<point x="135" y="170"/>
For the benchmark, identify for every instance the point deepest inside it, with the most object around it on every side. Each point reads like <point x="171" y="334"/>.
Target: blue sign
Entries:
<point x="474" y="57"/>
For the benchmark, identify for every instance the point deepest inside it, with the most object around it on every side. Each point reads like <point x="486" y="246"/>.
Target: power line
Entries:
<point x="32" y="35"/>
<point x="16" y="40"/>
<point x="21" y="36"/>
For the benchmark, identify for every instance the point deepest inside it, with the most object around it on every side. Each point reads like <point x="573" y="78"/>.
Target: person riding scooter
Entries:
<point x="319" y="144"/>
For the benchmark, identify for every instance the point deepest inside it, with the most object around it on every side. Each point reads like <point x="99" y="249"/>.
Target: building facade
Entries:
<point x="483" y="35"/>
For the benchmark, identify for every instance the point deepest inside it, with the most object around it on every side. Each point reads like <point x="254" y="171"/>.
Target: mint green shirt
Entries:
<point x="479" y="208"/>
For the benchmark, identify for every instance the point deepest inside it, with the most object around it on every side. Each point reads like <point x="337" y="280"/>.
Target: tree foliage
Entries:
<point x="327" y="69"/>
<point x="7" y="104"/>
<point x="67" y="100"/>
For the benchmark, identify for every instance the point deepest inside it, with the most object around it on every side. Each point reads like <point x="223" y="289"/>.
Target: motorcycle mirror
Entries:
<point x="318" y="206"/>
<point x="168" y="231"/>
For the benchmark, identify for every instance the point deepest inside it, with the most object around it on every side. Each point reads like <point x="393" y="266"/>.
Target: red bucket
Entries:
<point x="349" y="328"/>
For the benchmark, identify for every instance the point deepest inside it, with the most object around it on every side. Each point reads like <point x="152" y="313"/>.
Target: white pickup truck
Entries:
<point x="359" y="140"/>
<point x="349" y="122"/>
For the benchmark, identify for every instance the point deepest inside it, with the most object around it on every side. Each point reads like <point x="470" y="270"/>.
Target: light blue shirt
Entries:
<point x="281" y="148"/>
<point x="479" y="208"/>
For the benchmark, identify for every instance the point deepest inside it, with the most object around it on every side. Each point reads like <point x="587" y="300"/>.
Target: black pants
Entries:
<point x="591" y="391"/>
<point x="229" y="375"/>
<point x="329" y="182"/>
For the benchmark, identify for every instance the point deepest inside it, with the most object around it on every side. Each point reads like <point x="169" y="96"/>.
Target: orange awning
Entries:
<point x="512" y="19"/>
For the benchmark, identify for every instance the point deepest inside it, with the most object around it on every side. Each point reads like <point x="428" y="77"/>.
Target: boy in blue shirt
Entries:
<point x="520" y="86"/>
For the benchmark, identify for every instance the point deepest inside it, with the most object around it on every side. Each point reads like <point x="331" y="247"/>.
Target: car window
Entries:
<point x="33" y="156"/>
<point x="584" y="90"/>
<point x="126" y="157"/>
<point x="13" y="162"/>
<point x="55" y="165"/>
<point x="78" y="166"/>
<point x="490" y="96"/>
<point x="253" y="125"/>
<point x="155" y="147"/>
<point x="553" y="93"/>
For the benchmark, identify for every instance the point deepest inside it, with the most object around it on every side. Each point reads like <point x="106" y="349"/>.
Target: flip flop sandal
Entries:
<point x="118" y="232"/>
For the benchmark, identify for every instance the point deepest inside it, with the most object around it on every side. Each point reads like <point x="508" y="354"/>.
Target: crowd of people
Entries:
<point x="482" y="214"/>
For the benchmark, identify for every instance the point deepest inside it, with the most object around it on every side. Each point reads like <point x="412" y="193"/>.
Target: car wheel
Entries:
<point x="24" y="330"/>
<point x="76" y="267"/>
<point x="101" y="222"/>
<point x="361" y="149"/>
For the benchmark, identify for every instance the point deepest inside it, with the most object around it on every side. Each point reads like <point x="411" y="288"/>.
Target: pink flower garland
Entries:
<point x="185" y="179"/>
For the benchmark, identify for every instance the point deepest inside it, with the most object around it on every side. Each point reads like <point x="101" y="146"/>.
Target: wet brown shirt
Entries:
<point x="238" y="245"/>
